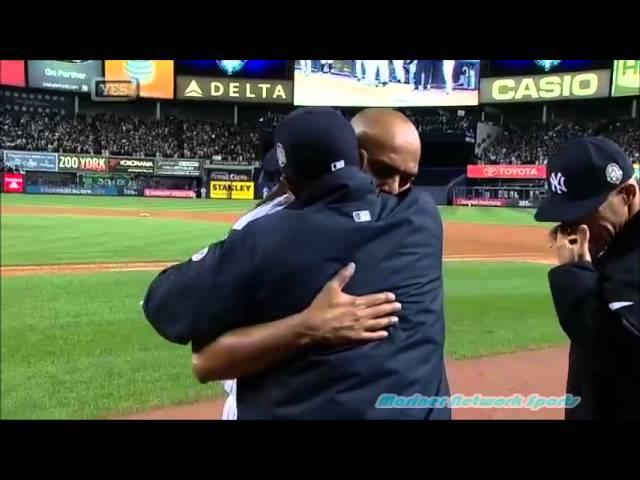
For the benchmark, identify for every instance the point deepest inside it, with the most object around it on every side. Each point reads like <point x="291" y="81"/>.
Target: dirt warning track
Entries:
<point x="529" y="373"/>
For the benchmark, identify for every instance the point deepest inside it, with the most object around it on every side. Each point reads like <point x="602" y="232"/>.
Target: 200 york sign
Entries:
<point x="82" y="163"/>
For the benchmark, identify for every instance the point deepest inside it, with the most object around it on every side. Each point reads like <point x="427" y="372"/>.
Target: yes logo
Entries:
<point x="556" y="183"/>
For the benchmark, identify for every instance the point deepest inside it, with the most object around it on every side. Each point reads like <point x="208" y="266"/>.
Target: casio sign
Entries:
<point x="547" y="87"/>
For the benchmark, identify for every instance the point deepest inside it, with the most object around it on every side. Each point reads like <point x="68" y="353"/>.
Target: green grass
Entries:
<point x="36" y="239"/>
<point x="138" y="203"/>
<point x="494" y="307"/>
<point x="78" y="346"/>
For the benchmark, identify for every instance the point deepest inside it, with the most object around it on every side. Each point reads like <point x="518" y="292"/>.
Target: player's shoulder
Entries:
<point x="266" y="209"/>
<point x="419" y="201"/>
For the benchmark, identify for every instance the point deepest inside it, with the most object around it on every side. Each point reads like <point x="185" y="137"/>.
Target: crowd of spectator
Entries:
<point x="533" y="143"/>
<point x="444" y="122"/>
<point x="170" y="137"/>
<point x="129" y="136"/>
<point x="219" y="139"/>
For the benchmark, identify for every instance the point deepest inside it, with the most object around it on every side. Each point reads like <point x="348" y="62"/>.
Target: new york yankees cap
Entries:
<point x="580" y="177"/>
<point x="312" y="142"/>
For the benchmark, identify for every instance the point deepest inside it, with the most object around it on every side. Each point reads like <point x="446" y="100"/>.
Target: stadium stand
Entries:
<point x="532" y="143"/>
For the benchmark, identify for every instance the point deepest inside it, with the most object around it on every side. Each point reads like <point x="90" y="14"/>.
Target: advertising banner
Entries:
<point x="232" y="190"/>
<point x="13" y="183"/>
<point x="107" y="191"/>
<point x="67" y="75"/>
<point x="81" y="163"/>
<point x="234" y="89"/>
<point x="175" y="167"/>
<point x="545" y="88"/>
<point x="12" y="73"/>
<point x="39" y="161"/>
<point x="221" y="174"/>
<point x="626" y="78"/>
<point x="218" y="162"/>
<point x="513" y="172"/>
<point x="160" y="192"/>
<point x="155" y="77"/>
<point x="480" y="202"/>
<point x="495" y="202"/>
<point x="102" y="180"/>
<point x="131" y="165"/>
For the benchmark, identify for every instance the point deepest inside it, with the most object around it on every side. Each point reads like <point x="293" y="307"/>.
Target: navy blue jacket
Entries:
<point x="598" y="306"/>
<point x="275" y="266"/>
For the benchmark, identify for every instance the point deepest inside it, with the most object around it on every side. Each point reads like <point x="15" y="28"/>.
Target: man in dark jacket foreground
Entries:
<point x="337" y="217"/>
<point x="596" y="287"/>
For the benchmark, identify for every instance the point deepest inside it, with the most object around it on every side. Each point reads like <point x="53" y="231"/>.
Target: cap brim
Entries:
<point x="559" y="208"/>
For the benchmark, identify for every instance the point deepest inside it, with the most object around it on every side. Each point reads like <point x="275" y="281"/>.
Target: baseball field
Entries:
<point x="75" y="344"/>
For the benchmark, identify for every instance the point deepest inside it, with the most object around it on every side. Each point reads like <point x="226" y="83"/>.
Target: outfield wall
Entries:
<point x="108" y="175"/>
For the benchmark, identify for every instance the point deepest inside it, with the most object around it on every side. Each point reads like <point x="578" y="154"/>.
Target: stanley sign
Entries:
<point x="232" y="190"/>
<point x="545" y="88"/>
<point x="234" y="89"/>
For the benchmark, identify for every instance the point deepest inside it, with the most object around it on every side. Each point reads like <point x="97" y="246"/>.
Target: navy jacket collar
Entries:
<point x="346" y="185"/>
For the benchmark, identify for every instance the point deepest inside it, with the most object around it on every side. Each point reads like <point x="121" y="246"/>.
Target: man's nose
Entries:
<point x="392" y="186"/>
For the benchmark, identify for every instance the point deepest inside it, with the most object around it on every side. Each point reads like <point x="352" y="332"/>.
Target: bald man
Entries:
<point x="389" y="149"/>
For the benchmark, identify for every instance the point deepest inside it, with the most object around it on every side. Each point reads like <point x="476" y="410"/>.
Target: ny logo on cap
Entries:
<point x="556" y="183"/>
<point x="614" y="174"/>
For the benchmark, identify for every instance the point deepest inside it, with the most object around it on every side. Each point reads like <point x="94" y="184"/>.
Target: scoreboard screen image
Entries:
<point x="386" y="83"/>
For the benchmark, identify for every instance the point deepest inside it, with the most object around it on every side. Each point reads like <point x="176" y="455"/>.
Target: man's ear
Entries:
<point x="363" y="160"/>
<point x="630" y="191"/>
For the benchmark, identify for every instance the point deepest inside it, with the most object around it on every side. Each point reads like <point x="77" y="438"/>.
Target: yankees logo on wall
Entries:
<point x="556" y="183"/>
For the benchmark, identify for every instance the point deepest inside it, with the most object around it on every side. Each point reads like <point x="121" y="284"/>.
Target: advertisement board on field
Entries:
<point x="222" y="174"/>
<point x="131" y="165"/>
<point x="82" y="163"/>
<point x="176" y="167"/>
<point x="13" y="183"/>
<point x="514" y="172"/>
<point x="495" y="202"/>
<point x="163" y="192"/>
<point x="231" y="190"/>
<point x="38" y="161"/>
<point x="51" y="190"/>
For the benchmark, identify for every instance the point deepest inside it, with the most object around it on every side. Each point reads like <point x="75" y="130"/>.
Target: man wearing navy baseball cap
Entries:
<point x="273" y="267"/>
<point x="596" y="288"/>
